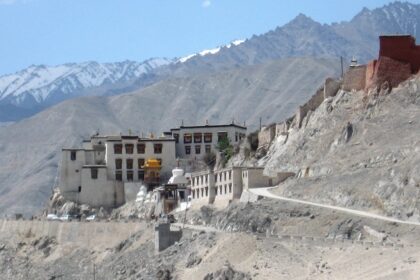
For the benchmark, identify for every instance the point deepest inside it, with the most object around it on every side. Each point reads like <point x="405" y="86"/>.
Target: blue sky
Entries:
<point x="59" y="31"/>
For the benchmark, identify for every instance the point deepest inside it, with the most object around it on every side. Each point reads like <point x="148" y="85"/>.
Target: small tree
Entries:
<point x="225" y="148"/>
<point x="210" y="159"/>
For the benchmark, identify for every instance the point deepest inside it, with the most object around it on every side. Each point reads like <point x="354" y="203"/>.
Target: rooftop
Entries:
<point x="209" y="126"/>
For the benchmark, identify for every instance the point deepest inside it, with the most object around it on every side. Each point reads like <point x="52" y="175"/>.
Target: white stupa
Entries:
<point x="141" y="195"/>
<point x="178" y="177"/>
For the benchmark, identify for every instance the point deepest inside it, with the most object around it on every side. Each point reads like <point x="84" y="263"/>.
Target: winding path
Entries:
<point x="266" y="193"/>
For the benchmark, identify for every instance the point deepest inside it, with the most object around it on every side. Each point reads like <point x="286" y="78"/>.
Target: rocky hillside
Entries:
<point x="29" y="155"/>
<point x="356" y="150"/>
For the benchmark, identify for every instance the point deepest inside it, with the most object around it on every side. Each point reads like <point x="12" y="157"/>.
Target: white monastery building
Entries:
<point x="195" y="141"/>
<point x="97" y="173"/>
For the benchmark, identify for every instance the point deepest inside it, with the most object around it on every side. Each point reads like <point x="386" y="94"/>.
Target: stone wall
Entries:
<point x="91" y="234"/>
<point x="391" y="71"/>
<point x="266" y="135"/>
<point x="355" y="78"/>
<point x="165" y="237"/>
<point x="331" y="87"/>
<point x="311" y="105"/>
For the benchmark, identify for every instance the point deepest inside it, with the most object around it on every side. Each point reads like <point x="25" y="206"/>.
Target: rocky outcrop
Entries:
<point x="356" y="150"/>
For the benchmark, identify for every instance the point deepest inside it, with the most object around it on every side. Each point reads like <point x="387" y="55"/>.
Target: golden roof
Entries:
<point x="152" y="163"/>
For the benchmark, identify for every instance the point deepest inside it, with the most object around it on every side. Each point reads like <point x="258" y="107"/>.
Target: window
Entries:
<point x="207" y="191"/>
<point x="206" y="178"/>
<point x="141" y="175"/>
<point x="129" y="148"/>
<point x="129" y="163"/>
<point x="80" y="188"/>
<point x="230" y="188"/>
<point x="118" y="163"/>
<point x="140" y="162"/>
<point x="117" y="148"/>
<point x="225" y="189"/>
<point x="215" y="191"/>
<point x="208" y="137"/>
<point x="118" y="175"/>
<point x="202" y="192"/>
<point x="157" y="148"/>
<point x="230" y="175"/>
<point x="221" y="190"/>
<point x="208" y="149"/>
<point x="141" y="148"/>
<point x="73" y="155"/>
<point x="220" y="176"/>
<point x="197" y="149"/>
<point x="193" y="194"/>
<point x="224" y="175"/>
<point x="215" y="177"/>
<point x="198" y="193"/>
<point x="187" y="138"/>
<point x="176" y="137"/>
<point x="222" y="136"/>
<point x="129" y="175"/>
<point x="236" y="137"/>
<point x="198" y="137"/>
<point x="187" y="150"/>
<point x="94" y="173"/>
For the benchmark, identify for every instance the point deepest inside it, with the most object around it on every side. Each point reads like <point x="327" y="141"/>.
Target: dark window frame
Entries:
<point x="187" y="137"/>
<point x="197" y="149"/>
<point x="158" y="148"/>
<point x="129" y="164"/>
<point x="129" y="149"/>
<point x="198" y="137"/>
<point x="208" y="137"/>
<point x="188" y="150"/>
<point x="141" y="148"/>
<point x="118" y="149"/>
<point x="73" y="155"/>
<point x="118" y="163"/>
<point x="94" y="173"/>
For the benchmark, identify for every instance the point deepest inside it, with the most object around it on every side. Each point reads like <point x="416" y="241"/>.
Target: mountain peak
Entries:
<point x="302" y="20"/>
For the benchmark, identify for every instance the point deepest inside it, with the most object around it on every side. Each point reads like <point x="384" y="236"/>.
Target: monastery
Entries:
<point x="108" y="171"/>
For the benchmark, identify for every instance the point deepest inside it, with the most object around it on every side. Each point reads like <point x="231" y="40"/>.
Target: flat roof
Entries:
<point x="139" y="139"/>
<point x="209" y="126"/>
<point x="94" y="166"/>
<point x="75" y="149"/>
<point x="397" y="35"/>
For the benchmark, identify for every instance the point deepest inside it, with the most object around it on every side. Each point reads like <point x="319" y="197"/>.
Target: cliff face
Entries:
<point x="356" y="150"/>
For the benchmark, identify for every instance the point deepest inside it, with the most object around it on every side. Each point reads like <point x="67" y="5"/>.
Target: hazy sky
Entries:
<point x="59" y="31"/>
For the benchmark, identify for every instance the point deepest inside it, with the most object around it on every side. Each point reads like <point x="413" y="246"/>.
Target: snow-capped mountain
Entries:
<point x="46" y="85"/>
<point x="211" y="51"/>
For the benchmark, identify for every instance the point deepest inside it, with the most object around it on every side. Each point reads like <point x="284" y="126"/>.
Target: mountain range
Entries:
<point x="266" y="76"/>
<point x="33" y="89"/>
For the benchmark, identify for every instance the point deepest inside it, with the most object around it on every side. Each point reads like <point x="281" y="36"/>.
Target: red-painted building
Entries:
<point x="399" y="58"/>
<point x="402" y="48"/>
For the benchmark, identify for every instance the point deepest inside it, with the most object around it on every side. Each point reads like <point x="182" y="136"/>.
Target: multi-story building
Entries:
<point x="208" y="187"/>
<point x="98" y="173"/>
<point x="193" y="142"/>
<point x="222" y="186"/>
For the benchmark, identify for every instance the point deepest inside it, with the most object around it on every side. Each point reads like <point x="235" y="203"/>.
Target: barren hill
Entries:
<point x="356" y="150"/>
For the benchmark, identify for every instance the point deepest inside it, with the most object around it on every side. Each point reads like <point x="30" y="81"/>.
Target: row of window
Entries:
<point x="129" y="175"/>
<point x="197" y="149"/>
<point x="204" y="192"/>
<point x="199" y="137"/>
<point x="217" y="177"/>
<point x="141" y="148"/>
<point x="129" y="163"/>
